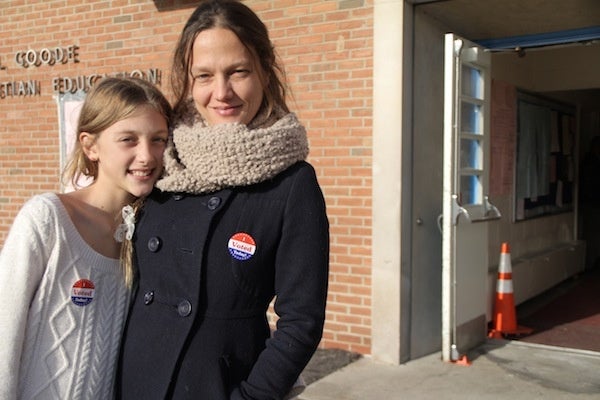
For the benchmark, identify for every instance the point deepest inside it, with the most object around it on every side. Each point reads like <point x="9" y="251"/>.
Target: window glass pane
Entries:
<point x="472" y="82"/>
<point x="471" y="154"/>
<point x="471" y="118"/>
<point x="470" y="190"/>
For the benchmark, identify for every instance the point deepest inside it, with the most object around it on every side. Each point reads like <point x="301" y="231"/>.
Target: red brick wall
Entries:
<point x="326" y="47"/>
<point x="503" y="137"/>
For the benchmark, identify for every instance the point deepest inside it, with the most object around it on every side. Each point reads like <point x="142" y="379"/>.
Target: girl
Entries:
<point x="65" y="294"/>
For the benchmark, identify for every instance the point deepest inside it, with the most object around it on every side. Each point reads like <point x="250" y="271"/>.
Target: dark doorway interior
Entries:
<point x="567" y="315"/>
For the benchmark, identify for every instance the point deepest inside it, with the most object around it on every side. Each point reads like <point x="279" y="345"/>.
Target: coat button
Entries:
<point x="177" y="196"/>
<point x="184" y="308"/>
<point x="154" y="244"/>
<point x="213" y="203"/>
<point x="148" y="297"/>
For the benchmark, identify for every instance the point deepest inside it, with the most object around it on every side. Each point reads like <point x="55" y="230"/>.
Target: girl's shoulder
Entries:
<point x="41" y="206"/>
<point x="38" y="218"/>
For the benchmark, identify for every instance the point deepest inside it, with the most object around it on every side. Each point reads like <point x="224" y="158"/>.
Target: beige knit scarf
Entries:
<point x="204" y="159"/>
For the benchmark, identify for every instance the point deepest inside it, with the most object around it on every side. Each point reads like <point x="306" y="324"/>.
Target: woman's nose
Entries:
<point x="222" y="90"/>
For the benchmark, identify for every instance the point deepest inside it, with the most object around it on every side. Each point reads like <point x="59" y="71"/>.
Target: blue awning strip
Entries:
<point x="542" y="39"/>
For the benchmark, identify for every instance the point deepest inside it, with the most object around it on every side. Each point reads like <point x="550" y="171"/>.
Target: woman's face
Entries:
<point x="226" y="83"/>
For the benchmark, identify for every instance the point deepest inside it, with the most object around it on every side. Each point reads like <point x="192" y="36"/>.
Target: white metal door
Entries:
<point x="466" y="207"/>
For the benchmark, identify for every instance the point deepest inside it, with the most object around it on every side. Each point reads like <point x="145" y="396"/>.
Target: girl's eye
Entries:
<point x="160" y="140"/>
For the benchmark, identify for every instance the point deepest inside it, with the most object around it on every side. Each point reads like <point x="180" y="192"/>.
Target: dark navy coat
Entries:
<point x="209" y="266"/>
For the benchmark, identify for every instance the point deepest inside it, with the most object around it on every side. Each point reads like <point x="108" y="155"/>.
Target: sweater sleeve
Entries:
<point x="22" y="264"/>
<point x="301" y="280"/>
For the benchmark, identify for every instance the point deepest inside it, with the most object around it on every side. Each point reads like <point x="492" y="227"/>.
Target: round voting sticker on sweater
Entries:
<point x="82" y="292"/>
<point x="241" y="246"/>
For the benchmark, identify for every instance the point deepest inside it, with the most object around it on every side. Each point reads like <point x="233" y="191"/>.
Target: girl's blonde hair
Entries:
<point x="112" y="99"/>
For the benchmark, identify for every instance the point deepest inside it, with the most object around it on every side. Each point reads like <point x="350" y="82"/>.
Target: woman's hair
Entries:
<point x="109" y="101"/>
<point x="250" y="30"/>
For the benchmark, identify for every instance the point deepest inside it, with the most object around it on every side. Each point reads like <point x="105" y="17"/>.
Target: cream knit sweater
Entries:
<point x="62" y="309"/>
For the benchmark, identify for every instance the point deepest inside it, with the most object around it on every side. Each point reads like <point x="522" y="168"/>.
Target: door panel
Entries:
<point x="466" y="207"/>
<point x="425" y="280"/>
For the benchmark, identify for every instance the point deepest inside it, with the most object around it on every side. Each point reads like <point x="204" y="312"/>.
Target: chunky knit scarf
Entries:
<point x="204" y="159"/>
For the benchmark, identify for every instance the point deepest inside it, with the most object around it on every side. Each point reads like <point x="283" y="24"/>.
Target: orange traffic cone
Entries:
<point x="505" y="318"/>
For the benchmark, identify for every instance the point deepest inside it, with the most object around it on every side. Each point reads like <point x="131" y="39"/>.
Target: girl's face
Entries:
<point x="226" y="83"/>
<point x="129" y="153"/>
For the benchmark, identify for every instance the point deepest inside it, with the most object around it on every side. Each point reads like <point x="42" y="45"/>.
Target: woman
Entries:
<point x="240" y="219"/>
<point x="65" y="294"/>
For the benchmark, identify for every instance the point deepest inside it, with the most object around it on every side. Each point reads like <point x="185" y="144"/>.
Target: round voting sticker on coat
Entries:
<point x="82" y="292"/>
<point x="241" y="246"/>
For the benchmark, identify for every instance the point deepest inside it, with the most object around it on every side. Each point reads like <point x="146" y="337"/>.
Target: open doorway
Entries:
<point x="565" y="73"/>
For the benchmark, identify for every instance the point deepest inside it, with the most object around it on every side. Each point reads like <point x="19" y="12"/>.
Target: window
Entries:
<point x="471" y="135"/>
<point x="69" y="105"/>
<point x="545" y="172"/>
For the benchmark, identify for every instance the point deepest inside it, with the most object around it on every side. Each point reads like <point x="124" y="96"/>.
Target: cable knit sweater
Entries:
<point x="62" y="311"/>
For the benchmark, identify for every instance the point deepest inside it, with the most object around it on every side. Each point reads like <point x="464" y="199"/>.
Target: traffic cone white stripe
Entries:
<point x="505" y="264"/>
<point x="504" y="286"/>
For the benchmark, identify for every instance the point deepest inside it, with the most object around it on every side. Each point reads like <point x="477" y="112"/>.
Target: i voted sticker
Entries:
<point x="241" y="246"/>
<point x="82" y="292"/>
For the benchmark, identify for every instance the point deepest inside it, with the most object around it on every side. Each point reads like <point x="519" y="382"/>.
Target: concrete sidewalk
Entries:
<point x="499" y="370"/>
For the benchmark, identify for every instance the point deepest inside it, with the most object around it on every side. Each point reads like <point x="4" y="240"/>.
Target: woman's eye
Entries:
<point x="201" y="77"/>
<point x="241" y="72"/>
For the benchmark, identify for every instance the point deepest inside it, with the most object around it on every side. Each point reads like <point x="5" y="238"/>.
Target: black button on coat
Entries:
<point x="221" y="260"/>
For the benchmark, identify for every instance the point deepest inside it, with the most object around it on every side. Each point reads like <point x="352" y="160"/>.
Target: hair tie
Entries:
<point x="126" y="229"/>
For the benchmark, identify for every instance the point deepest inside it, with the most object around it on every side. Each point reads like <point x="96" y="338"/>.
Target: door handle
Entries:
<point x="457" y="211"/>
<point x="489" y="210"/>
